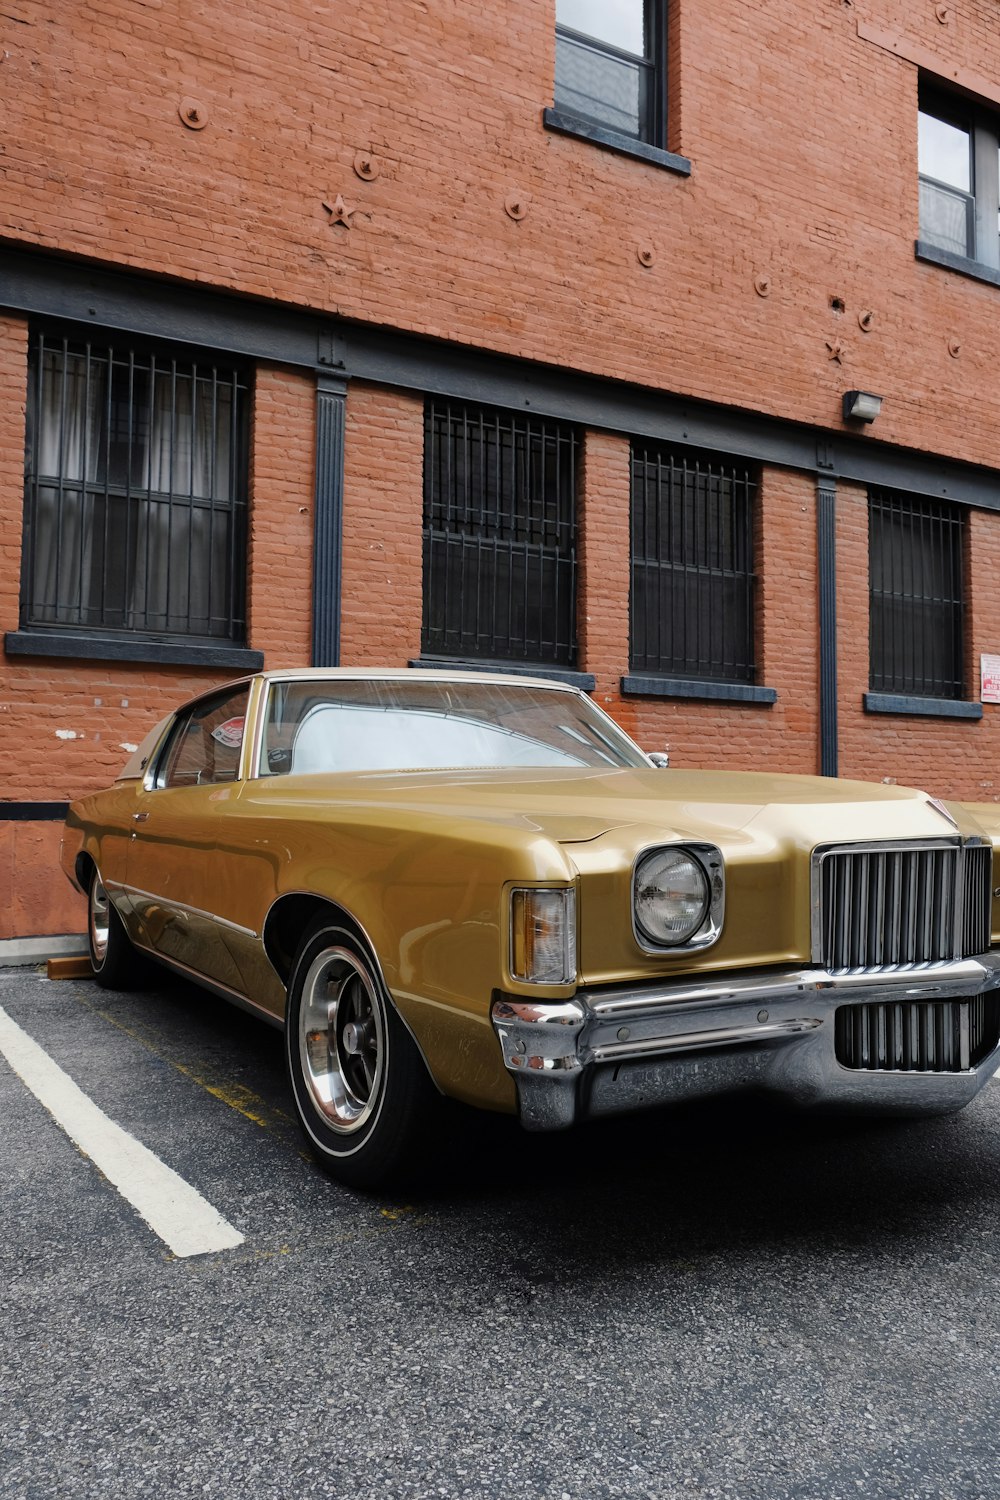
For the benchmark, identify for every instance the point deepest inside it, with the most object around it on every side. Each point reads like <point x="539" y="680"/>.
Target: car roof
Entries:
<point x="408" y="674"/>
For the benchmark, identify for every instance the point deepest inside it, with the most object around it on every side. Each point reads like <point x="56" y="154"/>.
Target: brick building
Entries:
<point x="520" y="334"/>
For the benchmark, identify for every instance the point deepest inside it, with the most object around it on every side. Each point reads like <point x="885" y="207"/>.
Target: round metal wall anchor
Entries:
<point x="646" y="256"/>
<point x="516" y="206"/>
<point x="366" y="166"/>
<point x="193" y="114"/>
<point x="954" y="348"/>
<point x="762" y="286"/>
<point x="866" y="320"/>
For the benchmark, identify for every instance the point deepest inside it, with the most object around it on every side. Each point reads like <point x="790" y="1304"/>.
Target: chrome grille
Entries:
<point x="943" y="1036"/>
<point x="879" y="906"/>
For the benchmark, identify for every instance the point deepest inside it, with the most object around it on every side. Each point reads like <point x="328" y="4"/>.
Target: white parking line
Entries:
<point x="171" y="1207"/>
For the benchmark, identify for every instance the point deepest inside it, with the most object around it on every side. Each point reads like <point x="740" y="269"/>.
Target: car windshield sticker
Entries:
<point x="230" y="733"/>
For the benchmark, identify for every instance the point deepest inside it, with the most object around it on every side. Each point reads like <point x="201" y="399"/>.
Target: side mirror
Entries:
<point x="659" y="758"/>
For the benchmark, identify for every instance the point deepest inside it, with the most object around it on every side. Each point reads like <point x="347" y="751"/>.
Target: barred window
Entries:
<point x="135" y="492"/>
<point x="609" y="65"/>
<point x="692" y="596"/>
<point x="916" y="595"/>
<point x="499" y="536"/>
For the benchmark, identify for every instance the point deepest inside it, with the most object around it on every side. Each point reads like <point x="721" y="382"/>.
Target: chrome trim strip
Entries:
<point x="689" y="1041"/>
<point x="924" y="980"/>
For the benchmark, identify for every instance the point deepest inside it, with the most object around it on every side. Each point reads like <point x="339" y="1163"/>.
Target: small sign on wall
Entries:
<point x="989" y="672"/>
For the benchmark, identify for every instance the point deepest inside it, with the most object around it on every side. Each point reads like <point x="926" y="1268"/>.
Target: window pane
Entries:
<point x="600" y="87"/>
<point x="944" y="152"/>
<point x="618" y="22"/>
<point x="945" y="219"/>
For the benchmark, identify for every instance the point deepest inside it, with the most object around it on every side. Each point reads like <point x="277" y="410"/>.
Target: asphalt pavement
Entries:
<point x="716" y="1302"/>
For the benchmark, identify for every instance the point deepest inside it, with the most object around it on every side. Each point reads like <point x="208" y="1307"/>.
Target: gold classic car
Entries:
<point x="478" y="886"/>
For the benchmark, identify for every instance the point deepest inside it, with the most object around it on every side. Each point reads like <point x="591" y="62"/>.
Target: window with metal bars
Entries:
<point x="135" y="492"/>
<point x="608" y="65"/>
<point x="499" y="536"/>
<point x="916" y="600"/>
<point x="692" y="595"/>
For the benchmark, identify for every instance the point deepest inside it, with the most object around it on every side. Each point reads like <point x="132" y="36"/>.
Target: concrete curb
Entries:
<point x="18" y="952"/>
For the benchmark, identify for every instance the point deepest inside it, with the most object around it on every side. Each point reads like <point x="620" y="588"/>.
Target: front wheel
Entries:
<point x="115" y="963"/>
<point x="362" y="1094"/>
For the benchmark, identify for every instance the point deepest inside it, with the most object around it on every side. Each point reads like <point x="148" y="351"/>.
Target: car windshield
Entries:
<point x="427" y="724"/>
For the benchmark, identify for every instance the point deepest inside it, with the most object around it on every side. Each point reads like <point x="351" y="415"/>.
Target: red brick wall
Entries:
<point x="279" y="584"/>
<point x="383" y="516"/>
<point x="804" y="172"/>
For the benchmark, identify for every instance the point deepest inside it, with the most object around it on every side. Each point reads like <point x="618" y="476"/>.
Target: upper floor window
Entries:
<point x="135" y="492"/>
<point x="609" y="65"/>
<point x="692" y="595"/>
<point x="499" y="536"/>
<point x="959" y="163"/>
<point x="916" y="596"/>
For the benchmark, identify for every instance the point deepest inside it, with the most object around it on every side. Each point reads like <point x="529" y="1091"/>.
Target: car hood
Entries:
<point x="578" y="806"/>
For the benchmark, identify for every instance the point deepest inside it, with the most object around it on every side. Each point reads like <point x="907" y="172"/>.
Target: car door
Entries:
<point x="170" y="869"/>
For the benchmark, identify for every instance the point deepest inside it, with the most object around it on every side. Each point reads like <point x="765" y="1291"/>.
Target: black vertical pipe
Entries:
<point x="331" y="400"/>
<point x="826" y="550"/>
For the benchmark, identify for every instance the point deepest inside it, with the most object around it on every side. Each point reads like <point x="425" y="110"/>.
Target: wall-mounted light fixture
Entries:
<point x="861" y="406"/>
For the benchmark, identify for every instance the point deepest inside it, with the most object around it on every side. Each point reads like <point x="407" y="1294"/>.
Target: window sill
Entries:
<point x="585" y="680"/>
<point x="937" y="708"/>
<point x="599" y="135"/>
<point x="686" y="687"/>
<point x="960" y="263"/>
<point x="111" y="648"/>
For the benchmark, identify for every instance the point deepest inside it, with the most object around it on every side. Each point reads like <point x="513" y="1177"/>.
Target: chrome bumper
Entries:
<point x="617" y="1049"/>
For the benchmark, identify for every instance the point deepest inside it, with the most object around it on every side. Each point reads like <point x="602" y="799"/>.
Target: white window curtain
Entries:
<point x="182" y="540"/>
<point x="71" y="398"/>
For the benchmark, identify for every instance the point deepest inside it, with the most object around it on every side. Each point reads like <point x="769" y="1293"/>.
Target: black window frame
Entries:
<point x="917" y="597"/>
<point x="983" y="200"/>
<point x="123" y="378"/>
<point x="500" y="537"/>
<point x="682" y="501"/>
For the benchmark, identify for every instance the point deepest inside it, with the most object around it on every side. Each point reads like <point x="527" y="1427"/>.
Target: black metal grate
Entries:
<point x="692" y="598"/>
<point x="932" y="1036"/>
<point x="916" y="595"/>
<point x="499" y="536"/>
<point x="135" y="492"/>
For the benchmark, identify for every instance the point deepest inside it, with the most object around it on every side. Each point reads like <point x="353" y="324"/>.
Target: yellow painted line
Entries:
<point x="243" y="1100"/>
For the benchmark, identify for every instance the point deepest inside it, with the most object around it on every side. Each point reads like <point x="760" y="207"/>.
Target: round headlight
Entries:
<point x="672" y="893"/>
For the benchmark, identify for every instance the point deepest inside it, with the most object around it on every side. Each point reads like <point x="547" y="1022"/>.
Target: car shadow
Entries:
<point x="680" y="1184"/>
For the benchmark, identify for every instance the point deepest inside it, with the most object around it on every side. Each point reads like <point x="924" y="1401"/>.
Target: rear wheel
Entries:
<point x="362" y="1094"/>
<point x="114" y="961"/>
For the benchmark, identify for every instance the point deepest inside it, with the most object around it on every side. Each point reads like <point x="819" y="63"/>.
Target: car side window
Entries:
<point x="204" y="747"/>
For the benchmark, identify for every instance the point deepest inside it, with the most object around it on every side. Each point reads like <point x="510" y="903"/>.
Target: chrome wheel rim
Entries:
<point x="341" y="1039"/>
<point x="100" y="920"/>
